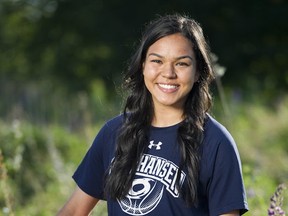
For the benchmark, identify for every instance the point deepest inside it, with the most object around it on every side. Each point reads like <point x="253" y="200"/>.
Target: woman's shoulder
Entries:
<point x="216" y="137"/>
<point x="109" y="130"/>
<point x="215" y="129"/>
<point x="114" y="123"/>
<point x="218" y="143"/>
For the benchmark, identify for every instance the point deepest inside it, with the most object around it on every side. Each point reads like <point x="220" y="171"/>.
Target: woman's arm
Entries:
<point x="233" y="213"/>
<point x="79" y="204"/>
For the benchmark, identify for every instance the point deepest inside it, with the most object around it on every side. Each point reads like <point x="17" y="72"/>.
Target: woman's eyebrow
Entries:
<point x="185" y="56"/>
<point x="178" y="58"/>
<point x="155" y="54"/>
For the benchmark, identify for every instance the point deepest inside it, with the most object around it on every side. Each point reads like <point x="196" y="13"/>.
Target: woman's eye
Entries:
<point x="182" y="64"/>
<point x="156" y="61"/>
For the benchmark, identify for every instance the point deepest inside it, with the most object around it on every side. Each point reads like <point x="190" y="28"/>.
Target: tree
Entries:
<point x="75" y="42"/>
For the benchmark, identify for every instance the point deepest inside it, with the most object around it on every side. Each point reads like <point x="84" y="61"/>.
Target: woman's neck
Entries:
<point x="167" y="116"/>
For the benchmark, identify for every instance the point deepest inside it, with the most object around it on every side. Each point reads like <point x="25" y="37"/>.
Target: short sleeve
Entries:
<point x="221" y="173"/>
<point x="226" y="189"/>
<point x="90" y="173"/>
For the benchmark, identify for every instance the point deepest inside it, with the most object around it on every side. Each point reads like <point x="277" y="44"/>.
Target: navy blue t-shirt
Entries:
<point x="154" y="190"/>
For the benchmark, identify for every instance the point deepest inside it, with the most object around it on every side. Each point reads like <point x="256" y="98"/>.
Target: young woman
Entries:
<point x="165" y="155"/>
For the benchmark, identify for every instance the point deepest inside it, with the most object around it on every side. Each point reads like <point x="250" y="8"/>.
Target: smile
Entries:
<point x="168" y="87"/>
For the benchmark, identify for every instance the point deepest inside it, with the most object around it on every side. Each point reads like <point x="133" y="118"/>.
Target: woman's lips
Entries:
<point x="168" y="88"/>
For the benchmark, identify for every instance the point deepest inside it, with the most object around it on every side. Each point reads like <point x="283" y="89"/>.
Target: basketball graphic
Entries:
<point x="143" y="197"/>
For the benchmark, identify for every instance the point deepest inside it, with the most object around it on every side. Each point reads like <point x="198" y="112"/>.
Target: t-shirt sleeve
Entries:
<point x="225" y="190"/>
<point x="90" y="173"/>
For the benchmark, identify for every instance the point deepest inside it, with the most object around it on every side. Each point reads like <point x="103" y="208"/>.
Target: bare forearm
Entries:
<point x="80" y="204"/>
<point x="232" y="213"/>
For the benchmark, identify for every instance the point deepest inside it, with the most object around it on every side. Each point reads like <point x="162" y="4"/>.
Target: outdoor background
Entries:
<point x="60" y="76"/>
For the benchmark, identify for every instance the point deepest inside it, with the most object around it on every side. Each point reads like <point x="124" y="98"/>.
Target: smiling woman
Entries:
<point x="164" y="155"/>
<point x="169" y="74"/>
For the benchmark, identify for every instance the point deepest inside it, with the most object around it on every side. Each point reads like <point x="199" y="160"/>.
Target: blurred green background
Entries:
<point x="60" y="71"/>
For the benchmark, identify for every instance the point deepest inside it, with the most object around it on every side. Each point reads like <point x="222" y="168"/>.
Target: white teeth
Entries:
<point x="166" y="86"/>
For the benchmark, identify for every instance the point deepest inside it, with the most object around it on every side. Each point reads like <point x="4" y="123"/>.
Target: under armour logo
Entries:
<point x="152" y="144"/>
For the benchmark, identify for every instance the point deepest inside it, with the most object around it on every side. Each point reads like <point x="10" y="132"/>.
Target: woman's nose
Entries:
<point x="168" y="71"/>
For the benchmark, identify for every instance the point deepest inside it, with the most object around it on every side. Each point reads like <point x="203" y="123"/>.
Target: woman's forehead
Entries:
<point x="175" y="45"/>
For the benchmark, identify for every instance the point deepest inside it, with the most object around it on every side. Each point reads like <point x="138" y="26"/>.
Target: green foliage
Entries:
<point x="37" y="160"/>
<point x="76" y="42"/>
<point x="40" y="159"/>
<point x="261" y="135"/>
<point x="46" y="102"/>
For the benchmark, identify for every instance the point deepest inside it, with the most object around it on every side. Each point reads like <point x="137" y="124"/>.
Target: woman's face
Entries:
<point x="170" y="71"/>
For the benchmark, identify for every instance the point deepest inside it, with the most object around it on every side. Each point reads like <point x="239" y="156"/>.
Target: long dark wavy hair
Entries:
<point x="138" y="111"/>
